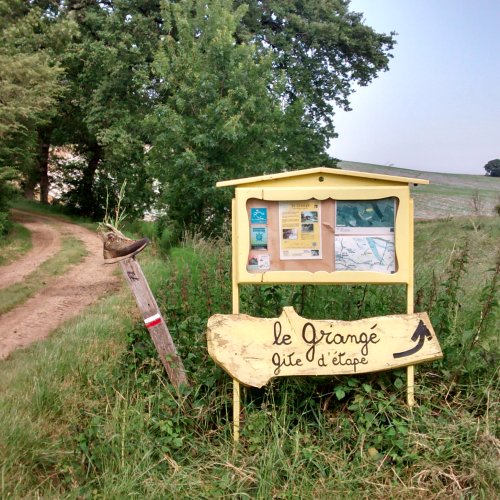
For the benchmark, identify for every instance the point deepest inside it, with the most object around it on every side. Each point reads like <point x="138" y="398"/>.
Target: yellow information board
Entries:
<point x="319" y="226"/>
<point x="323" y="225"/>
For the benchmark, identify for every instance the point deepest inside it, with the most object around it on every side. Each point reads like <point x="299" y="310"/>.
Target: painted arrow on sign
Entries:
<point x="421" y="333"/>
<point x="254" y="350"/>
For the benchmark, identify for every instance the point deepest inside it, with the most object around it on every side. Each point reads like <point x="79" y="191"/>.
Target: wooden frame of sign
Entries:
<point x="316" y="226"/>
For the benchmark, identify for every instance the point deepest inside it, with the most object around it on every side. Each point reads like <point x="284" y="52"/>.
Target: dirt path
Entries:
<point x="65" y="296"/>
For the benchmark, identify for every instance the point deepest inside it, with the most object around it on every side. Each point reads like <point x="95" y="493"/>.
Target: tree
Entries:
<point x="100" y="114"/>
<point x="118" y="42"/>
<point x="243" y="91"/>
<point x="218" y="113"/>
<point x="493" y="168"/>
<point x="29" y="81"/>
<point x="179" y="94"/>
<point x="322" y="48"/>
<point x="29" y="88"/>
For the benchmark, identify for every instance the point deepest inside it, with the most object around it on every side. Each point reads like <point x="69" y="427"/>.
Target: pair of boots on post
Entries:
<point x="118" y="247"/>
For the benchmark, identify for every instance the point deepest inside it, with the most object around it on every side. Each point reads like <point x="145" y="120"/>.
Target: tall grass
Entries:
<point x="91" y="412"/>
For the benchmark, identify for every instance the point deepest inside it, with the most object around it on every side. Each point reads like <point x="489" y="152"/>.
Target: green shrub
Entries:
<point x="5" y="223"/>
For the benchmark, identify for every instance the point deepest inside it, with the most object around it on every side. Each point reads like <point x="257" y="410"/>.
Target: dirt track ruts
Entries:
<point x="64" y="296"/>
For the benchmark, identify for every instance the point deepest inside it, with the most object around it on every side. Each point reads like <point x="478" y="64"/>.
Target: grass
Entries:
<point x="15" y="244"/>
<point x="90" y="412"/>
<point x="72" y="251"/>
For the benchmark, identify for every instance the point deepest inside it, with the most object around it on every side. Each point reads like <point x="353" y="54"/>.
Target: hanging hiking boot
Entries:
<point x="118" y="247"/>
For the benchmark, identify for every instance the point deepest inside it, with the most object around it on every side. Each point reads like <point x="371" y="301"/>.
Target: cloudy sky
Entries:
<point x="438" y="106"/>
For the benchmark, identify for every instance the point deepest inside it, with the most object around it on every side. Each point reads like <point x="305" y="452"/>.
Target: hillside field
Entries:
<point x="447" y="195"/>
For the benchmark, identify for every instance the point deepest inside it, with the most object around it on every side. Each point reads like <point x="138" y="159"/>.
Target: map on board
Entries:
<point x="365" y="253"/>
<point x="365" y="216"/>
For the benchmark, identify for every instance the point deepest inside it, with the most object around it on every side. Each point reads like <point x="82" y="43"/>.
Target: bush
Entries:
<point x="5" y="223"/>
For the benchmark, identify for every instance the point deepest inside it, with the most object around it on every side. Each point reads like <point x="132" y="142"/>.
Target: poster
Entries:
<point x="258" y="215"/>
<point x="365" y="253"/>
<point x="258" y="237"/>
<point x="258" y="262"/>
<point x="364" y="235"/>
<point x="300" y="230"/>
<point x="365" y="216"/>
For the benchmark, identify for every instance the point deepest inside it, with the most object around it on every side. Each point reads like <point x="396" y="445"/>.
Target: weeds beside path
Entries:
<point x="57" y="299"/>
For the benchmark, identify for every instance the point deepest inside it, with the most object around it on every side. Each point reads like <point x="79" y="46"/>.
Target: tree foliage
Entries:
<point x="175" y="95"/>
<point x="215" y="117"/>
<point x="493" y="168"/>
<point x="239" y="96"/>
<point x="107" y="68"/>
<point x="321" y="47"/>
<point x="29" y="80"/>
<point x="30" y="85"/>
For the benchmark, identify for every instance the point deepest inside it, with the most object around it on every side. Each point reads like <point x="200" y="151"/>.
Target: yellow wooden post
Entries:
<point x="236" y="310"/>
<point x="236" y="410"/>
<point x="410" y="370"/>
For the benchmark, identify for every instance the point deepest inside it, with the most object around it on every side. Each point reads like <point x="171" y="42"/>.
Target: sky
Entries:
<point x="438" y="107"/>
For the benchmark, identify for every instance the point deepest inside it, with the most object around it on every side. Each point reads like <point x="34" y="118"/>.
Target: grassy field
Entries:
<point x="15" y="244"/>
<point x="447" y="195"/>
<point x="90" y="412"/>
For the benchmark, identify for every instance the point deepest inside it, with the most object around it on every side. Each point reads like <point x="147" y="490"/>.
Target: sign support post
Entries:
<point x="236" y="384"/>
<point x="410" y="292"/>
<point x="236" y="310"/>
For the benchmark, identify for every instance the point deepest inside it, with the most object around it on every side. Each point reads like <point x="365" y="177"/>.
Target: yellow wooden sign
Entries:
<point x="322" y="225"/>
<point x="318" y="226"/>
<point x="254" y="350"/>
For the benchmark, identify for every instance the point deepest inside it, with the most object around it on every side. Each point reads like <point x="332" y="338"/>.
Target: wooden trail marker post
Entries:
<point x="320" y="226"/>
<point x="154" y="322"/>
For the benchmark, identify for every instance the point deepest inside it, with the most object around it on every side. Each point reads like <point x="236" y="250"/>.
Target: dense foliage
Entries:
<point x="493" y="168"/>
<point x="29" y="88"/>
<point x="172" y="96"/>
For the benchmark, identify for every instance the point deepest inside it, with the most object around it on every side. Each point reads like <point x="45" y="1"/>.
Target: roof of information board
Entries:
<point x="321" y="171"/>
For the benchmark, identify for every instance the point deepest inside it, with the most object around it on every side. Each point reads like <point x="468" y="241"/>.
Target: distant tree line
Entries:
<point x="172" y="96"/>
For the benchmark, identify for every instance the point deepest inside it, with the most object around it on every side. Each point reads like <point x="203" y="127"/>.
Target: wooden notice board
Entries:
<point x="356" y="213"/>
<point x="319" y="226"/>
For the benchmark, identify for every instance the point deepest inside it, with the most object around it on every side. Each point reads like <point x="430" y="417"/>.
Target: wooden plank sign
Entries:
<point x="254" y="350"/>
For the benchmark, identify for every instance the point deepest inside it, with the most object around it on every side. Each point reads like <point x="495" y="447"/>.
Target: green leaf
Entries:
<point x="398" y="383"/>
<point x="340" y="393"/>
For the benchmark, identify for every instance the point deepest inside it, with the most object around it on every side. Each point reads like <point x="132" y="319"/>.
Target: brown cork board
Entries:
<point x="271" y="256"/>
<point x="326" y="263"/>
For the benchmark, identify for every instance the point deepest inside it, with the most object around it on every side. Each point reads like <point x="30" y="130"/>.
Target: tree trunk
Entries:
<point x="43" y="162"/>
<point x="29" y="189"/>
<point x="87" y="185"/>
<point x="31" y="180"/>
